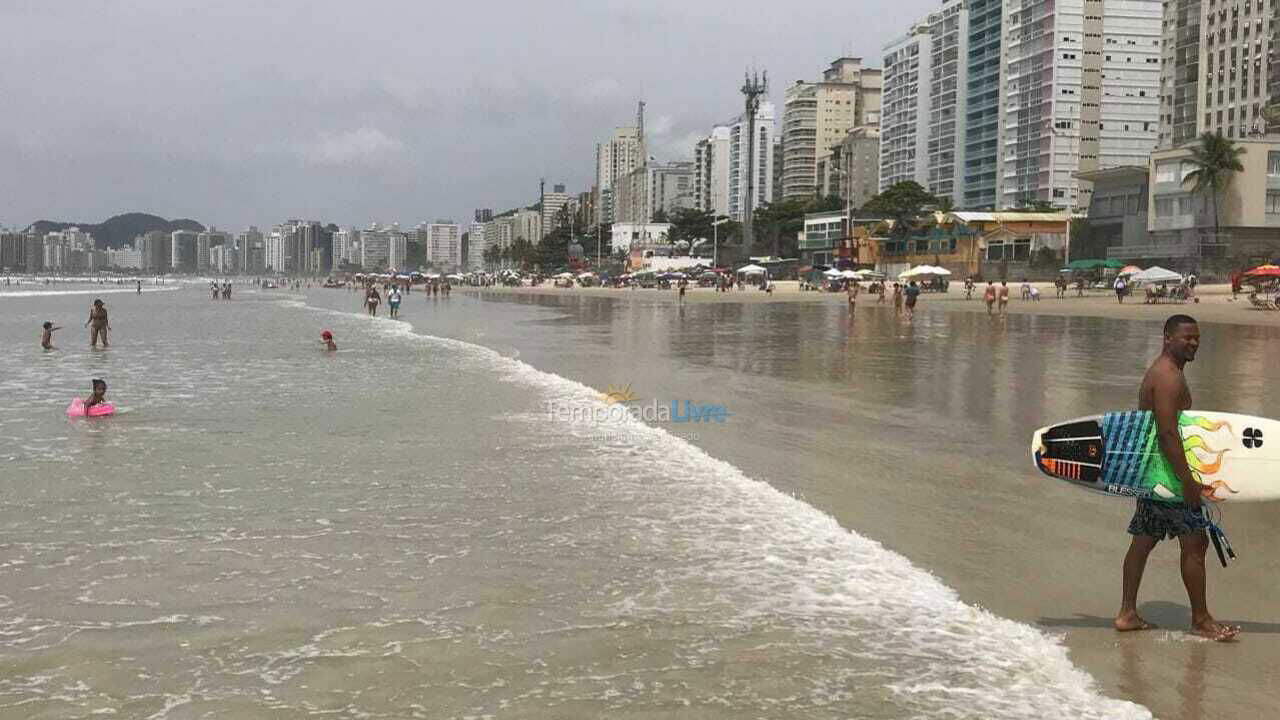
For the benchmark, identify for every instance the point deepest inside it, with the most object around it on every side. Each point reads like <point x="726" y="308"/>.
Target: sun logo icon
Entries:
<point x="622" y="394"/>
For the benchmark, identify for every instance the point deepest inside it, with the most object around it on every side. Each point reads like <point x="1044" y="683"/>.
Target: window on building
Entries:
<point x="1273" y="203"/>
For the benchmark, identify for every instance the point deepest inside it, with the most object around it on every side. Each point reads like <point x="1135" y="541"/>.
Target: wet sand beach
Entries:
<point x="916" y="434"/>
<point x="1215" y="306"/>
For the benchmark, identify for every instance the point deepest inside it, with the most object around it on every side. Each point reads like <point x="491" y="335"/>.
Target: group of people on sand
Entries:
<point x="224" y="292"/>
<point x="98" y="324"/>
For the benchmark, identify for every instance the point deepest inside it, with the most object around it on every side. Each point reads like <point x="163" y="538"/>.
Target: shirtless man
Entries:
<point x="851" y="289"/>
<point x="98" y="321"/>
<point x="1165" y="393"/>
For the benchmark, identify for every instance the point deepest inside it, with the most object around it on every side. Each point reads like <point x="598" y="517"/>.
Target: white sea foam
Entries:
<point x="104" y="290"/>
<point x="785" y="558"/>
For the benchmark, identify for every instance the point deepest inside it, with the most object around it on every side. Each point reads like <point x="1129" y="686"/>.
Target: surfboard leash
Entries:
<point x="1219" y="538"/>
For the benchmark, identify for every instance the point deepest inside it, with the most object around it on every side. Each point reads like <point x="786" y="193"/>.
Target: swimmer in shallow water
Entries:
<point x="98" y="396"/>
<point x="326" y="337"/>
<point x="46" y="338"/>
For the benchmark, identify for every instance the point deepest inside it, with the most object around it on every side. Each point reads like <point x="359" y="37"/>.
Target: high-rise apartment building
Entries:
<point x="250" y="252"/>
<point x="382" y="248"/>
<point x="13" y="251"/>
<point x="617" y="156"/>
<point x="763" y="166"/>
<point x="852" y="172"/>
<point x="444" y="245"/>
<point x="982" y="96"/>
<point x="552" y="203"/>
<point x="818" y="115"/>
<point x="643" y="193"/>
<point x="711" y="172"/>
<point x="1081" y="86"/>
<point x="1220" y="68"/>
<point x="484" y="215"/>
<point x="922" y="119"/>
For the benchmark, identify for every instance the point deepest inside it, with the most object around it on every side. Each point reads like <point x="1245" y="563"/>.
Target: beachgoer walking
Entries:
<point x="682" y="285"/>
<point x="371" y="300"/>
<point x="226" y="290"/>
<point x="989" y="296"/>
<point x="139" y="287"/>
<point x="1119" y="287"/>
<point x="897" y="298"/>
<point x="912" y="293"/>
<point x="880" y="293"/>
<point x="1026" y="289"/>
<point x="968" y="288"/>
<point x="852" y="288"/>
<point x="98" y="324"/>
<point x="393" y="301"/>
<point x="1165" y="393"/>
<point x="46" y="337"/>
<point x="1079" y="287"/>
<point x="1060" y="284"/>
<point x="1004" y="297"/>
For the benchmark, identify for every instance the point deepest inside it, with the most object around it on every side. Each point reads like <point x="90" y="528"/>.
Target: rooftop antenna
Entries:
<point x="754" y="86"/>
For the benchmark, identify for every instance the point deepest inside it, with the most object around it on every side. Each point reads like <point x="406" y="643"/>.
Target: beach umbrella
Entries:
<point x="850" y="274"/>
<point x="1130" y="269"/>
<point x="1268" y="270"/>
<point x="939" y="270"/>
<point x="834" y="273"/>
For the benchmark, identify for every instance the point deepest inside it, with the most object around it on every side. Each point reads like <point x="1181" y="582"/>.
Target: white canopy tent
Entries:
<point x="923" y="271"/>
<point x="833" y="273"/>
<point x="1156" y="274"/>
<point x="752" y="270"/>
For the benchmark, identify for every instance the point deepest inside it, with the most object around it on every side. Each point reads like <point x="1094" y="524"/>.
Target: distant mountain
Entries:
<point x="120" y="230"/>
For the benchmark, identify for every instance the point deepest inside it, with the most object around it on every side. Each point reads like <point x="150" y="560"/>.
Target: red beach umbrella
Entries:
<point x="1267" y="270"/>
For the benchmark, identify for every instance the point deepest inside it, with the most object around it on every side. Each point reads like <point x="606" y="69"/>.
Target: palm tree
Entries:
<point x="1216" y="159"/>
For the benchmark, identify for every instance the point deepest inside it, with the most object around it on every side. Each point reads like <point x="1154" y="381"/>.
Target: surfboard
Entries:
<point x="1236" y="457"/>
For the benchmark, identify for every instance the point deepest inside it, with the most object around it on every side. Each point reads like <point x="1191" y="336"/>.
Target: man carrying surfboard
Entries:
<point x="1165" y="393"/>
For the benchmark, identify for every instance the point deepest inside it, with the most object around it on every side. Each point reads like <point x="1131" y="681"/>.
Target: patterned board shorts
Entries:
<point x="1165" y="520"/>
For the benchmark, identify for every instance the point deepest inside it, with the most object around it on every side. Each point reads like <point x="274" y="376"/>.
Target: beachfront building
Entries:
<point x="992" y="245"/>
<point x="444" y="245"/>
<point x="222" y="259"/>
<point x="250" y="250"/>
<point x="382" y="248"/>
<point x="125" y="258"/>
<point x="13" y="251"/>
<point x="983" y="100"/>
<point x="923" y="107"/>
<point x="477" y="244"/>
<point x="825" y="240"/>
<point x="626" y="235"/>
<point x="711" y="172"/>
<point x="1081" y="93"/>
<point x="1182" y="222"/>
<point x="852" y="172"/>
<point x="346" y="247"/>
<point x="182" y="251"/>
<point x="155" y="248"/>
<point x="653" y="189"/>
<point x="621" y="153"/>
<point x="552" y="204"/>
<point x="1118" y="212"/>
<point x="818" y="115"/>
<point x="205" y="242"/>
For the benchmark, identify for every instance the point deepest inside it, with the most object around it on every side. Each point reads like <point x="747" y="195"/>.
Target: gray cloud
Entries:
<point x="237" y="112"/>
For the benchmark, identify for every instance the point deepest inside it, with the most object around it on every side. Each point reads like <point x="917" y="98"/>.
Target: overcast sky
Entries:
<point x="236" y="113"/>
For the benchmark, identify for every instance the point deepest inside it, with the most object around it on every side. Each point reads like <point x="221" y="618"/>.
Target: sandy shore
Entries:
<point x="1215" y="306"/>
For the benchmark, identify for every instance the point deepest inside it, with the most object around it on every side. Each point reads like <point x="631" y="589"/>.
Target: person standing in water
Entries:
<point x="98" y="324"/>
<point x="326" y="337"/>
<point x="139" y="287"/>
<point x="46" y="338"/>
<point x="912" y="293"/>
<point x="1165" y="393"/>
<point x="393" y="301"/>
<point x="371" y="301"/>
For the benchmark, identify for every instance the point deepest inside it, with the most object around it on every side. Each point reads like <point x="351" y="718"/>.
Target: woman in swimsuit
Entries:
<point x="98" y="321"/>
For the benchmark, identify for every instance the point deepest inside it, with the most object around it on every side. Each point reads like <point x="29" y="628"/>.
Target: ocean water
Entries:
<point x="429" y="524"/>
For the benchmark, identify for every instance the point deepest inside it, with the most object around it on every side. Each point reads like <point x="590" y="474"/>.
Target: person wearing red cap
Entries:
<point x="326" y="337"/>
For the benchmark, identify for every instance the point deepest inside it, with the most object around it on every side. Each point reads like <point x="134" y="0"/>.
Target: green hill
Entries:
<point x="120" y="230"/>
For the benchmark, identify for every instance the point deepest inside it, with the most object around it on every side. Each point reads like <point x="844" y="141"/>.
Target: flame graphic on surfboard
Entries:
<point x="1200" y="467"/>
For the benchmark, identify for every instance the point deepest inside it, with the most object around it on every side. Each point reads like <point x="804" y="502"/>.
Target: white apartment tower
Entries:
<point x="711" y="172"/>
<point x="617" y="156"/>
<point x="444" y="244"/>
<point x="1081" y="87"/>
<point x="922" y="118"/>
<point x="764" y="129"/>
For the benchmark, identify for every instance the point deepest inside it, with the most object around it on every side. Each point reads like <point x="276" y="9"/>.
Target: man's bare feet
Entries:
<point x="1130" y="621"/>
<point x="1214" y="630"/>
